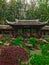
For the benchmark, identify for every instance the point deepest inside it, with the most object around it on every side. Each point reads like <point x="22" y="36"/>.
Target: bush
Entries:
<point x="45" y="49"/>
<point x="47" y="39"/>
<point x="19" y="41"/>
<point x="39" y="60"/>
<point x="13" y="55"/>
<point x="33" y="41"/>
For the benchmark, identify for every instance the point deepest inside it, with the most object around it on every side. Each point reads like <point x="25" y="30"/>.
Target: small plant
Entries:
<point x="13" y="55"/>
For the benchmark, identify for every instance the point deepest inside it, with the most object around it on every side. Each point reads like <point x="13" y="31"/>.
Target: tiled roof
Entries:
<point x="5" y="27"/>
<point x="27" y="22"/>
<point x="45" y="28"/>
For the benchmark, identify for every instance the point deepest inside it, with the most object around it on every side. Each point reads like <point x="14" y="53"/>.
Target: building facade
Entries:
<point x="25" y="27"/>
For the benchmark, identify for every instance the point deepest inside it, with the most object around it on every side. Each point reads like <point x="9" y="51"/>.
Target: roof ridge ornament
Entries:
<point x="10" y="22"/>
<point x="44" y="22"/>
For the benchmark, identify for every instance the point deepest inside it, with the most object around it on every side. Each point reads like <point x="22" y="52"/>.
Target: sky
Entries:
<point x="7" y="0"/>
<point x="27" y="1"/>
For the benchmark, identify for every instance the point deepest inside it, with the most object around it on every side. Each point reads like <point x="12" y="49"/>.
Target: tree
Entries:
<point x="41" y="12"/>
<point x="14" y="10"/>
<point x="3" y="7"/>
<point x="30" y="11"/>
<point x="11" y="10"/>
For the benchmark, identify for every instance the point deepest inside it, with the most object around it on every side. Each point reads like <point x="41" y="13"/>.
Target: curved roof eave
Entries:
<point x="27" y="22"/>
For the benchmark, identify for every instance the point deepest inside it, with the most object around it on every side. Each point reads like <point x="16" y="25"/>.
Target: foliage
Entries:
<point x="15" y="50"/>
<point x="43" y="11"/>
<point x="40" y="42"/>
<point x="30" y="11"/>
<point x="40" y="12"/>
<point x="13" y="10"/>
<point x="43" y="58"/>
<point x="11" y="55"/>
<point x="45" y="49"/>
<point x="33" y="41"/>
<point x="19" y="41"/>
<point x="39" y="60"/>
<point x="47" y="39"/>
<point x="10" y="10"/>
<point x="18" y="9"/>
<point x="3" y="8"/>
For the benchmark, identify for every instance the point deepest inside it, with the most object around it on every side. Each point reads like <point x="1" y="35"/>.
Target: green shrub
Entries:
<point x="19" y="41"/>
<point x="33" y="41"/>
<point x="47" y="39"/>
<point x="45" y="49"/>
<point x="39" y="60"/>
<point x="40" y="42"/>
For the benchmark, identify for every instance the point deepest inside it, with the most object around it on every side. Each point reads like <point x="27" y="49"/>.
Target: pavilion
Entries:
<point x="26" y="26"/>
